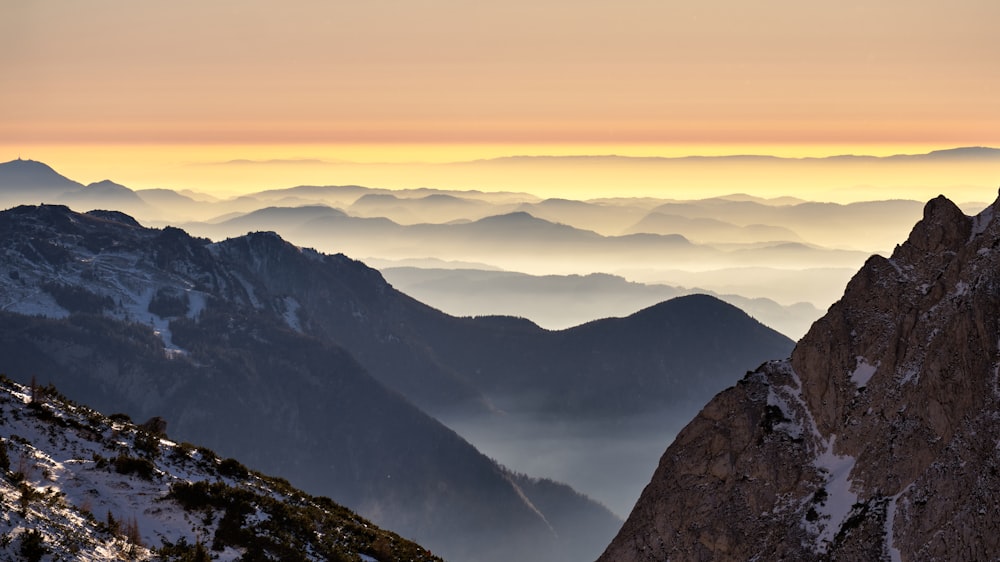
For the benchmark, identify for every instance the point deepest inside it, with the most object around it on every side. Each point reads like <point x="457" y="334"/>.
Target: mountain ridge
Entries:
<point x="155" y="322"/>
<point x="83" y="486"/>
<point x="870" y="442"/>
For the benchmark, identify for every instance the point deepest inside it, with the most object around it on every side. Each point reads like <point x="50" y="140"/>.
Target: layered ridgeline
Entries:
<point x="156" y="323"/>
<point x="877" y="439"/>
<point x="78" y="485"/>
<point x="307" y="365"/>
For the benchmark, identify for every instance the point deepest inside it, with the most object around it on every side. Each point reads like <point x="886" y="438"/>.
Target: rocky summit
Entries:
<point x="876" y="440"/>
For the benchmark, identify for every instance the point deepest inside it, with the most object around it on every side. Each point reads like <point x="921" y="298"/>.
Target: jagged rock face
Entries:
<point x="877" y="439"/>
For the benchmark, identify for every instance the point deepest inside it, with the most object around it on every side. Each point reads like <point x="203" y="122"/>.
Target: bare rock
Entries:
<point x="876" y="439"/>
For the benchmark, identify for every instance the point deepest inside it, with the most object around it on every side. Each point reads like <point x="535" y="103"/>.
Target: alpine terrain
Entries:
<point x="78" y="485"/>
<point x="225" y="342"/>
<point x="875" y="440"/>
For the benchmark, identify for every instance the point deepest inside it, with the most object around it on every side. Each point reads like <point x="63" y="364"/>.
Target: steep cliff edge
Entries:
<point x="877" y="439"/>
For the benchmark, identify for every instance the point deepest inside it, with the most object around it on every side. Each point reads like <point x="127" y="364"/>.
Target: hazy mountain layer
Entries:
<point x="562" y="301"/>
<point x="876" y="440"/>
<point x="213" y="338"/>
<point x="715" y="240"/>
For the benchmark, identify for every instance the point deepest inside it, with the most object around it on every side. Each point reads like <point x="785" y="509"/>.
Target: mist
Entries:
<point x="609" y="460"/>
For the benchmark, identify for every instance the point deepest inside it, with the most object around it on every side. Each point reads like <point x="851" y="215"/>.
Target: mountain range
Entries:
<point x="645" y="240"/>
<point x="875" y="440"/>
<point x="312" y="367"/>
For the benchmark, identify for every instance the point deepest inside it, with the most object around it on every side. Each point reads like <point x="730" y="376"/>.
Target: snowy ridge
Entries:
<point x="81" y="486"/>
<point x="112" y="266"/>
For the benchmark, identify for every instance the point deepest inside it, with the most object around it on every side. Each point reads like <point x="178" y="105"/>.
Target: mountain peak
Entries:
<point x="877" y="428"/>
<point x="944" y="228"/>
<point x="31" y="176"/>
<point x="107" y="185"/>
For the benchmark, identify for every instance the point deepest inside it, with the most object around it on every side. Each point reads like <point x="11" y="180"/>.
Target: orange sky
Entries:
<point x="595" y="75"/>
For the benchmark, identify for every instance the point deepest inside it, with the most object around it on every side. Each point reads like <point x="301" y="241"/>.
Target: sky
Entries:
<point x="158" y="92"/>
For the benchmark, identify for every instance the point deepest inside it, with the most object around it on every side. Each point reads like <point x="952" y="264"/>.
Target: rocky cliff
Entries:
<point x="876" y="440"/>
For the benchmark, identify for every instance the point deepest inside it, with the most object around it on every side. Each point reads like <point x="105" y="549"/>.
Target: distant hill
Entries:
<point x="28" y="180"/>
<point x="558" y="302"/>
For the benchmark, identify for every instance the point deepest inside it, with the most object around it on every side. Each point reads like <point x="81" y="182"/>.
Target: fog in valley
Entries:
<point x="568" y="399"/>
<point x="609" y="461"/>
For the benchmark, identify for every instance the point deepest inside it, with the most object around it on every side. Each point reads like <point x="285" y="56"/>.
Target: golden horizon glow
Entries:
<point x="225" y="170"/>
<point x="151" y="94"/>
<point x="552" y="71"/>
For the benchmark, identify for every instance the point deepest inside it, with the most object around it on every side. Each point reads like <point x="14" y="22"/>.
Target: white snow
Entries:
<point x="981" y="221"/>
<point x="961" y="289"/>
<point x="69" y="469"/>
<point x="890" y="523"/>
<point x="792" y="428"/>
<point x="196" y="303"/>
<point x="863" y="372"/>
<point x="840" y="499"/>
<point x="249" y="290"/>
<point x="911" y="375"/>
<point x="291" y="314"/>
<point x="833" y="510"/>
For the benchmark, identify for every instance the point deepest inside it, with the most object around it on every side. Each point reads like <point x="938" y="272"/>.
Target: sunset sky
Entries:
<point x="157" y="92"/>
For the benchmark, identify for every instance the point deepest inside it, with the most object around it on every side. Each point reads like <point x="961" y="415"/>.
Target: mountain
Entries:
<point x="597" y="369"/>
<point x="107" y="194"/>
<point x="238" y="346"/>
<point x="603" y="217"/>
<point x="79" y="485"/>
<point x="28" y="180"/>
<point x="558" y="302"/>
<point x="710" y="230"/>
<point x="435" y="208"/>
<point x="517" y="241"/>
<point x="875" y="440"/>
<point x="867" y="225"/>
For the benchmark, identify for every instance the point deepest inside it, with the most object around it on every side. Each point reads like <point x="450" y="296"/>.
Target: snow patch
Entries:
<point x="863" y="372"/>
<point x="196" y="303"/>
<point x="890" y="523"/>
<point x="911" y="374"/>
<point x="981" y="222"/>
<point x="251" y="294"/>
<point x="792" y="427"/>
<point x="961" y="289"/>
<point x="833" y="511"/>
<point x="291" y="313"/>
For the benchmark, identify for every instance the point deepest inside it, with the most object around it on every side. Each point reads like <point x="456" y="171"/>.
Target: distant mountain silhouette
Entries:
<point x="563" y="301"/>
<point x="676" y="352"/>
<point x="710" y="230"/>
<point x="971" y="152"/>
<point x="21" y="179"/>
<point x="107" y="194"/>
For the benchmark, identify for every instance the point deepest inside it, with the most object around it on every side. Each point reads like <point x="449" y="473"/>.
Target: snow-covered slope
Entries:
<point x="876" y="440"/>
<point x="82" y="486"/>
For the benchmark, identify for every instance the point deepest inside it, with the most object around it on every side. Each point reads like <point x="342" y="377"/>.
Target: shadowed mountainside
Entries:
<point x="875" y="440"/>
<point x="157" y="323"/>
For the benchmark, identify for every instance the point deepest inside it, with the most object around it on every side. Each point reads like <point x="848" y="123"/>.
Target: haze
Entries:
<point x="553" y="139"/>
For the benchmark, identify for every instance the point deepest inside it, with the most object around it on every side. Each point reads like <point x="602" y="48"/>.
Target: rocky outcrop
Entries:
<point x="876" y="439"/>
